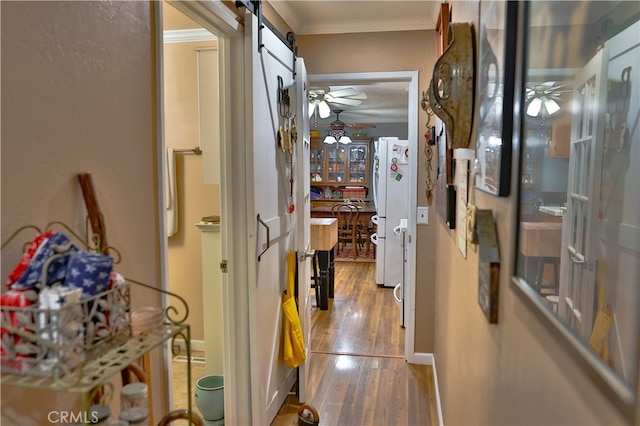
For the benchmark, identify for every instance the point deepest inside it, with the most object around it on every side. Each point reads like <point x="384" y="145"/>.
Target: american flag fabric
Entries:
<point x="89" y="272"/>
<point x="52" y="252"/>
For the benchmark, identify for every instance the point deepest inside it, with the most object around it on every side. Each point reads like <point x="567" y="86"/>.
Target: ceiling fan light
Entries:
<point x="534" y="107"/>
<point x="344" y="139"/>
<point x="324" y="109"/>
<point x="551" y="106"/>
<point x="329" y="140"/>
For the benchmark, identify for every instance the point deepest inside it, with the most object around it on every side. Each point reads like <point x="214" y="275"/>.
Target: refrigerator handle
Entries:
<point x="376" y="178"/>
<point x="395" y="293"/>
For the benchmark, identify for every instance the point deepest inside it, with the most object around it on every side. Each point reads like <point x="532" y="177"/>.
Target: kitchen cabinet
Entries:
<point x="560" y="142"/>
<point x="340" y="164"/>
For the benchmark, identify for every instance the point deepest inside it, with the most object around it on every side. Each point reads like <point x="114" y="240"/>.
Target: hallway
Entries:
<point x="358" y="374"/>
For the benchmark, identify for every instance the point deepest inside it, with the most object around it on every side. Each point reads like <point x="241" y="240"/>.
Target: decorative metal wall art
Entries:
<point x="452" y="86"/>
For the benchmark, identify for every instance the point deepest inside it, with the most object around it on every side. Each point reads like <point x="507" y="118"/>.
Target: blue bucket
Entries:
<point x="210" y="397"/>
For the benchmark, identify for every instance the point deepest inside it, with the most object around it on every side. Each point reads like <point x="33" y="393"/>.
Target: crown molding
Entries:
<point x="186" y="36"/>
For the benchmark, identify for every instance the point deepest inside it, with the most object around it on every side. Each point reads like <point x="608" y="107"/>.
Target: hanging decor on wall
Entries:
<point x="451" y="91"/>
<point x="488" y="264"/>
<point x="496" y="73"/>
<point x="429" y="142"/>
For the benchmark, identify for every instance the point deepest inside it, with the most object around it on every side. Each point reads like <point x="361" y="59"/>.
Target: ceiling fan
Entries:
<point x="542" y="98"/>
<point x="337" y="132"/>
<point x="319" y="99"/>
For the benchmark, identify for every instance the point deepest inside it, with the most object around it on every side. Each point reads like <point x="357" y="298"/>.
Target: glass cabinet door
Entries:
<point x="316" y="164"/>
<point x="358" y="164"/>
<point x="336" y="164"/>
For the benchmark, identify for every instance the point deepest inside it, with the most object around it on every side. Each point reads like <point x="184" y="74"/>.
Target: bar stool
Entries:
<point x="316" y="281"/>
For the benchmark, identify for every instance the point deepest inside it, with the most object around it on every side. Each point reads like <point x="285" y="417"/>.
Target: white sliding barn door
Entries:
<point x="303" y="212"/>
<point x="272" y="228"/>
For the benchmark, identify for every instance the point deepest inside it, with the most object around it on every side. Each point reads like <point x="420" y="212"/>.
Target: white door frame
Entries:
<point x="217" y="18"/>
<point x="412" y="78"/>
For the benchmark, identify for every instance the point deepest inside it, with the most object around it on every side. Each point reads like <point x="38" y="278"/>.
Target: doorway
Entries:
<point x="410" y="78"/>
<point x="192" y="187"/>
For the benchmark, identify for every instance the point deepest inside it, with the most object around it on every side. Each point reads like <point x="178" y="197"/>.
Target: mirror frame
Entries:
<point x="622" y="394"/>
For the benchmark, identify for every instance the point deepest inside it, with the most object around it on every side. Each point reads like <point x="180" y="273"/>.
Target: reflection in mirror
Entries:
<point x="579" y="215"/>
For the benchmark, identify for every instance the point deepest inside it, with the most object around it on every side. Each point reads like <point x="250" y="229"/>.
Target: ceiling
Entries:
<point x="387" y="102"/>
<point x="339" y="17"/>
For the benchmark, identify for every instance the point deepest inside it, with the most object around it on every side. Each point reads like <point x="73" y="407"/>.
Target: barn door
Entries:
<point x="272" y="226"/>
<point x="303" y="212"/>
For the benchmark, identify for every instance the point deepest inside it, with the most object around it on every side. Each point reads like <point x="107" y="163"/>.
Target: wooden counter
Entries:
<point x="324" y="233"/>
<point x="541" y="239"/>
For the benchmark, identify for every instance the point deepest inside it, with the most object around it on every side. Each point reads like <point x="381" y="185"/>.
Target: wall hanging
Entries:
<point x="452" y="86"/>
<point x="495" y="83"/>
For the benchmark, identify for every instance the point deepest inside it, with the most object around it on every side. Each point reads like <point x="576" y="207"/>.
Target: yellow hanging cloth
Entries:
<point x="294" y="348"/>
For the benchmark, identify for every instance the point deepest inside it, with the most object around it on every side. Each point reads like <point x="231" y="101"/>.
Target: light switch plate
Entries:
<point x="423" y="216"/>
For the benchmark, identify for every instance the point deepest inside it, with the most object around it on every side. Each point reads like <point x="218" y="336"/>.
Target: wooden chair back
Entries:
<point x="347" y="215"/>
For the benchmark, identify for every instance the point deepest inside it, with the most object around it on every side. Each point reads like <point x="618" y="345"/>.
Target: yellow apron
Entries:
<point x="294" y="349"/>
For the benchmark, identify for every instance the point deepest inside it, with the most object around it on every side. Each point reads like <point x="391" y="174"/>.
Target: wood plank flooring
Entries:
<point x="358" y="374"/>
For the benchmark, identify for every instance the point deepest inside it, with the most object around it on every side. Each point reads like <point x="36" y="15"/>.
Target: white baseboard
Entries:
<point x="196" y="345"/>
<point x="422" y="358"/>
<point x="435" y="383"/>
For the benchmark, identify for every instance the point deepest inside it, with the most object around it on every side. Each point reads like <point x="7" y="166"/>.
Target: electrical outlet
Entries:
<point x="423" y="216"/>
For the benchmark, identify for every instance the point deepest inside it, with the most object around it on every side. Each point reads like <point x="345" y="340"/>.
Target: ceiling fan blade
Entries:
<point x="343" y="101"/>
<point x="360" y="125"/>
<point x="324" y="110"/>
<point x="343" y="92"/>
<point x="312" y="108"/>
<point x="358" y="96"/>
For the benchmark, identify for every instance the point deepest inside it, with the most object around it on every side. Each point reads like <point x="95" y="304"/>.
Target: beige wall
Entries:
<point x="195" y="199"/>
<point x="514" y="372"/>
<point x="387" y="52"/>
<point x="518" y="371"/>
<point x="78" y="95"/>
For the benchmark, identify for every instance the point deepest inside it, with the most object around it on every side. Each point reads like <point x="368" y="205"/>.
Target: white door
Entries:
<point x="272" y="228"/>
<point x="303" y="212"/>
<point x="579" y="230"/>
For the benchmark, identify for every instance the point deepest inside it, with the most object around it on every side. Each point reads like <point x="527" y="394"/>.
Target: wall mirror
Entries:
<point x="579" y="195"/>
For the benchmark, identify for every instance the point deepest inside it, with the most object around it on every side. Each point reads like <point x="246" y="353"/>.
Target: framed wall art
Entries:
<point x="495" y="86"/>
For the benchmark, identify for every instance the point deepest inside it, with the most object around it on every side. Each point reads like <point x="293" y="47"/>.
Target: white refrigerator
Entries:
<point x="391" y="197"/>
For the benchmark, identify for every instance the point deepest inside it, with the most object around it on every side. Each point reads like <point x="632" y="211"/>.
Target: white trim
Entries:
<point x="162" y="171"/>
<point x="412" y="77"/>
<point x="196" y="345"/>
<point x="422" y="358"/>
<point x="212" y="15"/>
<point x="410" y="284"/>
<point x="218" y="19"/>
<point x="186" y="36"/>
<point x="437" y="387"/>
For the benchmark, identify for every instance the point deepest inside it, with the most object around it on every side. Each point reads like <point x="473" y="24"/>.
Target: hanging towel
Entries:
<point x="170" y="194"/>
<point x="295" y="351"/>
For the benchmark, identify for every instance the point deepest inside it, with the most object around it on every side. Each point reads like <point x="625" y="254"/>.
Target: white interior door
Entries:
<point x="579" y="231"/>
<point x="303" y="212"/>
<point x="272" y="230"/>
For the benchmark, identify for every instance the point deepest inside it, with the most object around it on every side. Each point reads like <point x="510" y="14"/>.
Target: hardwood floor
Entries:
<point x="358" y="374"/>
